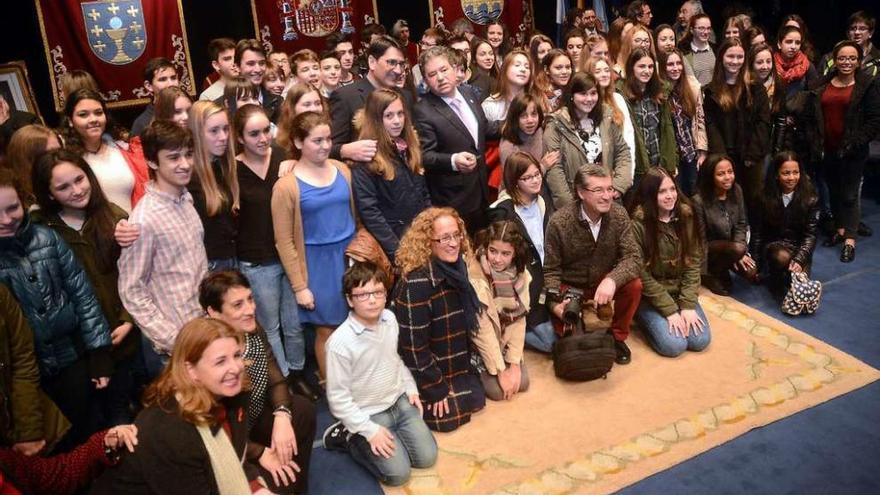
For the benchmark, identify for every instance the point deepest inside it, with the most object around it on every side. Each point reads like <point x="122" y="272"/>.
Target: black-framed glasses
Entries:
<point x="529" y="178"/>
<point x="449" y="238"/>
<point x="364" y="296"/>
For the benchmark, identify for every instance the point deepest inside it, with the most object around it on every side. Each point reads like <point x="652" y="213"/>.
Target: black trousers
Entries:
<point x="72" y="391"/>
<point x="303" y="421"/>
<point x="844" y="179"/>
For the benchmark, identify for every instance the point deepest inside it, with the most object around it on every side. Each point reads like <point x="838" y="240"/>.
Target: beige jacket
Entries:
<point x="287" y="223"/>
<point x="498" y="345"/>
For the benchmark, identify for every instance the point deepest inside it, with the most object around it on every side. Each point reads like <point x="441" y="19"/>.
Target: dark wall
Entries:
<point x="207" y="19"/>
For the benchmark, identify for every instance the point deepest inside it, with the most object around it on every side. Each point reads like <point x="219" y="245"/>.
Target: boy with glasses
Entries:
<point x="370" y="390"/>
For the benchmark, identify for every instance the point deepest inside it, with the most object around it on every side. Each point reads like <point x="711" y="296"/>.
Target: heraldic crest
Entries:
<point x="115" y="30"/>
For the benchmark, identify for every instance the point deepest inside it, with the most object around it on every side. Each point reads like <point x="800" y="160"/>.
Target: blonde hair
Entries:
<point x="415" y="250"/>
<point x="626" y="45"/>
<point x="606" y="94"/>
<point x="215" y="198"/>
<point x="373" y="127"/>
<point x="196" y="404"/>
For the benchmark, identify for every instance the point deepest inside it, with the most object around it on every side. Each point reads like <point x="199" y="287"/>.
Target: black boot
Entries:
<point x="300" y="386"/>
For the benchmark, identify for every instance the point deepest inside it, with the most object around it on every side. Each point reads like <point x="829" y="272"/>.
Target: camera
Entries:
<point x="571" y="313"/>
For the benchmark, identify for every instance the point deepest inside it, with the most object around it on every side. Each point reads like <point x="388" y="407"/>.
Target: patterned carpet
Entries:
<point x="601" y="436"/>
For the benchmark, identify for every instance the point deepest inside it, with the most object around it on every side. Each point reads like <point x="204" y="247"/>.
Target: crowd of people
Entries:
<point x="410" y="217"/>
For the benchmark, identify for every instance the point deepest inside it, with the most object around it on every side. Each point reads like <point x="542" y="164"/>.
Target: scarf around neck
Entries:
<point x="457" y="276"/>
<point x="791" y="70"/>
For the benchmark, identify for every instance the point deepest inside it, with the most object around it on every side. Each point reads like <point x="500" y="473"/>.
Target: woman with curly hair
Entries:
<point x="438" y="309"/>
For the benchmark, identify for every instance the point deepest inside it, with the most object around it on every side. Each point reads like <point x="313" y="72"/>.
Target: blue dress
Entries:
<point x="328" y="227"/>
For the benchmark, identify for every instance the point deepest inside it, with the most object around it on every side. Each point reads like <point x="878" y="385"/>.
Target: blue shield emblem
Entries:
<point x="482" y="11"/>
<point x="115" y="30"/>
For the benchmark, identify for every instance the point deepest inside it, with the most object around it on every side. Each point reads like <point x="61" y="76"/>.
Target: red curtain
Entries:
<point x="515" y="14"/>
<point x="113" y="40"/>
<point x="288" y="26"/>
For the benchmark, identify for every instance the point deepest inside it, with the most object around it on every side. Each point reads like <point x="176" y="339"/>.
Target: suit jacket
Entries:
<point x="272" y="104"/>
<point x="344" y="103"/>
<point x="442" y="133"/>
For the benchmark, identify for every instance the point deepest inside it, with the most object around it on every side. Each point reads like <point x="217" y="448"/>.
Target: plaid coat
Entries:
<point x="435" y="345"/>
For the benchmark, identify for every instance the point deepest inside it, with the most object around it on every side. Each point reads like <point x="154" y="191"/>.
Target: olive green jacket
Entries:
<point x="672" y="283"/>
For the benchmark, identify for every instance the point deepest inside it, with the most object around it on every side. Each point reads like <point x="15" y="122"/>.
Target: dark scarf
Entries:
<point x="457" y="276"/>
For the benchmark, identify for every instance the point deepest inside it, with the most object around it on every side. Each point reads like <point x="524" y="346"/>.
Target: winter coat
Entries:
<point x="744" y="132"/>
<point x="57" y="298"/>
<point x="560" y="135"/>
<point x="671" y="284"/>
<point x="387" y="207"/>
<point x="26" y="413"/>
<point x="861" y="124"/>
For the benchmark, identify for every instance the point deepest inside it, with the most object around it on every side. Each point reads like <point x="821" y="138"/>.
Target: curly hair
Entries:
<point x="505" y="231"/>
<point x="415" y="251"/>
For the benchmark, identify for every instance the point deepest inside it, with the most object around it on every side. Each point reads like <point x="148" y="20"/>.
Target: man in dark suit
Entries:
<point x="387" y="63"/>
<point x="453" y="130"/>
<point x="251" y="61"/>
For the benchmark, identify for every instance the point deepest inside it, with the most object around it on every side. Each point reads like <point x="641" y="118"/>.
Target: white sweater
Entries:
<point x="365" y="374"/>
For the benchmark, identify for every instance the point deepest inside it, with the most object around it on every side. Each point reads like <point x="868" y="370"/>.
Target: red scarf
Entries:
<point x="791" y="70"/>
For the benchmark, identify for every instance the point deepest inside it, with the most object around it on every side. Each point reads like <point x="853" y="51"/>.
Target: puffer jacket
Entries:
<point x="57" y="298"/>
<point x="670" y="285"/>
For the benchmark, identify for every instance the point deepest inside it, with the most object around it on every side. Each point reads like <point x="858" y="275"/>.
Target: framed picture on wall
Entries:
<point x="15" y="88"/>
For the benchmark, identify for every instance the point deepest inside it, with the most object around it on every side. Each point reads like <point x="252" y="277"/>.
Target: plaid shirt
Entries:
<point x="647" y="118"/>
<point x="159" y="274"/>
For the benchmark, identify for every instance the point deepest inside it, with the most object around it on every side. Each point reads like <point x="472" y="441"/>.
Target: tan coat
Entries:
<point x="498" y="345"/>
<point x="287" y="223"/>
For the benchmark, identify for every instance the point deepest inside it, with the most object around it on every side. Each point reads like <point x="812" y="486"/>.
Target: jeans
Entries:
<point x="687" y="176"/>
<point x="154" y="362"/>
<point x="277" y="313"/>
<point x="844" y="178"/>
<point x="541" y="337"/>
<point x="218" y="264"/>
<point x="667" y="343"/>
<point x="414" y="445"/>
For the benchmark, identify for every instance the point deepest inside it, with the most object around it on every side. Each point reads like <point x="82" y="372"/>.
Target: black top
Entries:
<point x="256" y="238"/>
<point x="220" y="229"/>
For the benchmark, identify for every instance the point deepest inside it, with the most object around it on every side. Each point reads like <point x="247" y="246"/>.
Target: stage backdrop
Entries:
<point x="291" y="25"/>
<point x="113" y="40"/>
<point x="515" y="14"/>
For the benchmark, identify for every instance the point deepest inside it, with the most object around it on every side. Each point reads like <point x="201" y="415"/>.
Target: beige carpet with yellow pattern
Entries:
<point x="600" y="436"/>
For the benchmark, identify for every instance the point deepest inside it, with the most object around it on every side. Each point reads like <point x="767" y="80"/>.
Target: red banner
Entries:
<point x="515" y="14"/>
<point x="112" y="40"/>
<point x="291" y="25"/>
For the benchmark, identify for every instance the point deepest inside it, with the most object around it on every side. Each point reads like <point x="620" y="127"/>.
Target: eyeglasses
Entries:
<point x="851" y="58"/>
<point x="859" y="29"/>
<point x="600" y="190"/>
<point x="529" y="178"/>
<point x="448" y="239"/>
<point x="396" y="63"/>
<point x="702" y="28"/>
<point x="363" y="296"/>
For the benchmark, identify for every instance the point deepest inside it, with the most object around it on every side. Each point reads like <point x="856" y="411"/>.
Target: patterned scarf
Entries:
<point x="506" y="285"/>
<point x="791" y="70"/>
<point x="456" y="275"/>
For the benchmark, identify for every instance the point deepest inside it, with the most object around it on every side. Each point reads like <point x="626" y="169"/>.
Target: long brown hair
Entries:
<point x="196" y="404"/>
<point x="415" y="250"/>
<point x="97" y="210"/>
<point x="729" y="96"/>
<point x="288" y="111"/>
<point x="373" y="127"/>
<point x="215" y="198"/>
<point x="502" y="86"/>
<point x="301" y="126"/>
<point x="516" y="165"/>
<point x="681" y="88"/>
<point x="166" y="100"/>
<point x="685" y="226"/>
<point x="510" y="129"/>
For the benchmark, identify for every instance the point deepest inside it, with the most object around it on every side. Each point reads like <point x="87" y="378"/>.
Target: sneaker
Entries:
<point x="335" y="437"/>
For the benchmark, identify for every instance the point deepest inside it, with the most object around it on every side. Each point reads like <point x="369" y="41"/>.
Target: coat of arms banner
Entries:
<point x="291" y="25"/>
<point x="515" y="14"/>
<point x="113" y="40"/>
